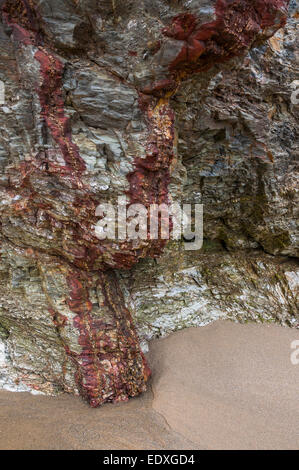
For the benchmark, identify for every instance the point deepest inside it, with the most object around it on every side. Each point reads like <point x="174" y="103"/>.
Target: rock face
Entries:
<point x="155" y="101"/>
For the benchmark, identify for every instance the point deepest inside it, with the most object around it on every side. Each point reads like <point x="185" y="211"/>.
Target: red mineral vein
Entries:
<point x="22" y="16"/>
<point x="237" y="25"/>
<point x="105" y="371"/>
<point x="111" y="366"/>
<point x="52" y="103"/>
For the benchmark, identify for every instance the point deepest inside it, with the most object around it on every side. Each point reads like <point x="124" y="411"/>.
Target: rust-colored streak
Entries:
<point x="238" y="24"/>
<point x="52" y="103"/>
<point x="22" y="16"/>
<point x="111" y="366"/>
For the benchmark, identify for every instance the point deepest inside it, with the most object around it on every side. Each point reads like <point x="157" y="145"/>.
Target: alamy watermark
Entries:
<point x="295" y="353"/>
<point x="156" y="222"/>
<point x="2" y="92"/>
<point x="295" y="93"/>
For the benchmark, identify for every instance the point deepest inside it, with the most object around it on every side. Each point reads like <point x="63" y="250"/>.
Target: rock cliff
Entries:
<point x="155" y="101"/>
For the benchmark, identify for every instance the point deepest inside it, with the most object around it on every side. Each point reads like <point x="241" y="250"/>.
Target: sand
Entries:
<point x="223" y="386"/>
<point x="228" y="386"/>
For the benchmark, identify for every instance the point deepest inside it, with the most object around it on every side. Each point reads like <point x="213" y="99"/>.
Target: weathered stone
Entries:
<point x="155" y="100"/>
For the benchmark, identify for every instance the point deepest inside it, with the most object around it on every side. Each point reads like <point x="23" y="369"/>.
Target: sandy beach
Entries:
<point x="223" y="386"/>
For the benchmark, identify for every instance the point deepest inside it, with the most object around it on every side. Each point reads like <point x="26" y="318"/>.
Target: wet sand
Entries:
<point x="66" y="422"/>
<point x="224" y="386"/>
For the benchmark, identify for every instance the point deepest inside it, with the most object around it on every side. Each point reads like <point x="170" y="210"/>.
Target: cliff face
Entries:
<point x="156" y="101"/>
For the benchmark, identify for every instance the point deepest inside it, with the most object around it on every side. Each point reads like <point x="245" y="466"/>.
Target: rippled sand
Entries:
<point x="224" y="386"/>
